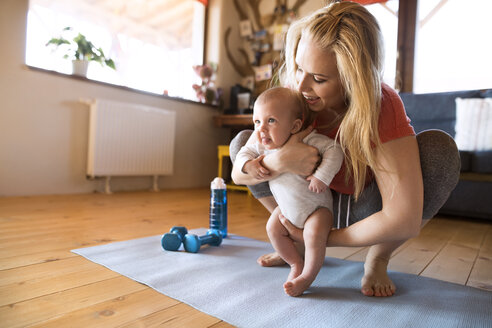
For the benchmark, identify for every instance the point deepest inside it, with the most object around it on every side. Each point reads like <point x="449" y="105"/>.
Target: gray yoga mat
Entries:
<point x="226" y="283"/>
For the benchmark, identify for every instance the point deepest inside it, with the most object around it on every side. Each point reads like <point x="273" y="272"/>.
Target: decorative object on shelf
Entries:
<point x="206" y="92"/>
<point x="264" y="37"/>
<point x="241" y="101"/>
<point x="81" y="51"/>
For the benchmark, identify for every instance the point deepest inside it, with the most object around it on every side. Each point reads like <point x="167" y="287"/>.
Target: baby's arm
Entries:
<point x="331" y="161"/>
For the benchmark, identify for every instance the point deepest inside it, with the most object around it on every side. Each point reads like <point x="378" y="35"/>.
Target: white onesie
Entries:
<point x="295" y="200"/>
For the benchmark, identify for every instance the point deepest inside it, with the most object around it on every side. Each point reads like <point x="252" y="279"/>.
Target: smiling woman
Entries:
<point x="154" y="43"/>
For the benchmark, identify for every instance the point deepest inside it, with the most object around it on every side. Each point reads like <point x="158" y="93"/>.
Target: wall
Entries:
<point x="221" y="15"/>
<point x="43" y="127"/>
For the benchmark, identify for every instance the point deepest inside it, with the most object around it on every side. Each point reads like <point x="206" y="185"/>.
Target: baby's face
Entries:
<point x="273" y="122"/>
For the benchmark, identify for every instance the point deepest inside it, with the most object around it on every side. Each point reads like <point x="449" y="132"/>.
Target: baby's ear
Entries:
<point x="296" y="127"/>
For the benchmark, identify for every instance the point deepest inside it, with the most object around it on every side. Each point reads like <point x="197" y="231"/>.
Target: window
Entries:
<point x="453" y="47"/>
<point x="387" y="15"/>
<point x="154" y="43"/>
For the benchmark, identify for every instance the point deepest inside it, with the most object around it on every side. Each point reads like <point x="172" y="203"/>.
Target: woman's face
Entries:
<point x="318" y="79"/>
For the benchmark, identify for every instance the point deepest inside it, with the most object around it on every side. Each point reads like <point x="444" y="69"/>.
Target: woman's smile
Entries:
<point x="311" y="100"/>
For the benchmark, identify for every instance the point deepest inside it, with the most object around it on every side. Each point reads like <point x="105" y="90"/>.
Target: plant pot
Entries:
<point x="79" y="67"/>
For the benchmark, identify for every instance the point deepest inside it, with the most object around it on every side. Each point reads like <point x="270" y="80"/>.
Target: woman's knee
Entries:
<point x="440" y="163"/>
<point x="237" y="142"/>
<point x="438" y="149"/>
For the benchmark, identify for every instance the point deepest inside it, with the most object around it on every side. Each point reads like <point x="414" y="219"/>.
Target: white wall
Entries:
<point x="43" y="127"/>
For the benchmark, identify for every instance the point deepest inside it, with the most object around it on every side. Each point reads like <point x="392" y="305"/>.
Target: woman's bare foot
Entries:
<point x="297" y="286"/>
<point x="376" y="281"/>
<point x="269" y="260"/>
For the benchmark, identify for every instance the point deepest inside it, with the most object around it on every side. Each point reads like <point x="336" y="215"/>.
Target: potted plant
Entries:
<point x="81" y="51"/>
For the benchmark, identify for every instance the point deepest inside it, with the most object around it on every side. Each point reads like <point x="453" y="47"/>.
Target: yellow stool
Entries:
<point x="223" y="151"/>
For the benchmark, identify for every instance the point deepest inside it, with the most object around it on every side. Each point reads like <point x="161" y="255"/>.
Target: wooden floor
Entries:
<point x="43" y="284"/>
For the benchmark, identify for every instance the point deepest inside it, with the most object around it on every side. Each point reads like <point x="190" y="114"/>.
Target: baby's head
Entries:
<point x="278" y="113"/>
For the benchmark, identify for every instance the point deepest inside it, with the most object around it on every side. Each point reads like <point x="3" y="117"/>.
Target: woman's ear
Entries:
<point x="296" y="127"/>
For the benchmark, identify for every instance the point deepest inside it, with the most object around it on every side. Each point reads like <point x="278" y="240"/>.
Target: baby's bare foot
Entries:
<point x="297" y="286"/>
<point x="376" y="281"/>
<point x="272" y="259"/>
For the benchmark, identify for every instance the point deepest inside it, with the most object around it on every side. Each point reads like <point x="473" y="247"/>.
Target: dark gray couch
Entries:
<point x="472" y="196"/>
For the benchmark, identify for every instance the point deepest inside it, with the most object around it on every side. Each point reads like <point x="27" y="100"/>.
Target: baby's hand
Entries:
<point x="255" y="169"/>
<point x="316" y="185"/>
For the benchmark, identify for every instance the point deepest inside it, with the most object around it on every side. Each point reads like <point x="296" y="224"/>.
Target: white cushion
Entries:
<point x="474" y="123"/>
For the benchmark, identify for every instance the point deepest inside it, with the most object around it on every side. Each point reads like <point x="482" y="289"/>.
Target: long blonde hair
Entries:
<point x="352" y="33"/>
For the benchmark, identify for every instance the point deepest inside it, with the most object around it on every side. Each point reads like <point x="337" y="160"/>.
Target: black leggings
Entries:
<point x="440" y="162"/>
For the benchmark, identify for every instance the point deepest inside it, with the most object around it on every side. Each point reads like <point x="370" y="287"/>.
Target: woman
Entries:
<point x="334" y="58"/>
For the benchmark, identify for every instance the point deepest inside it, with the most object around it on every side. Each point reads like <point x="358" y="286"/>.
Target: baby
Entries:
<point x="305" y="201"/>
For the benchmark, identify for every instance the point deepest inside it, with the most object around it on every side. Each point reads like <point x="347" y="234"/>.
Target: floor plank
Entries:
<point x="32" y="311"/>
<point x="455" y="261"/>
<point x="35" y="258"/>
<point x="422" y="250"/>
<point x="180" y="315"/>
<point x="25" y="283"/>
<point x="481" y="275"/>
<point x="115" y="312"/>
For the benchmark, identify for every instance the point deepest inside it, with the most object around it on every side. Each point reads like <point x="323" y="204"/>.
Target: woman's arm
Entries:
<point x="400" y="183"/>
<point x="399" y="179"/>
<point x="294" y="156"/>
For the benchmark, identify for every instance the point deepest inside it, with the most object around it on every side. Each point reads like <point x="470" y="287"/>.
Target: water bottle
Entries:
<point x="218" y="206"/>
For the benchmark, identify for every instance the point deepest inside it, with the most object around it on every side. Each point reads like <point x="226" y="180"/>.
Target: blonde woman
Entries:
<point x="391" y="180"/>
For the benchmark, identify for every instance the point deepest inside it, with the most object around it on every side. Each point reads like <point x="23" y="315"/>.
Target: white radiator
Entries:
<point x="130" y="140"/>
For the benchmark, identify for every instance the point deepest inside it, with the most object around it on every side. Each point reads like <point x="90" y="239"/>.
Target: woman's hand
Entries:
<point x="295" y="156"/>
<point x="294" y="232"/>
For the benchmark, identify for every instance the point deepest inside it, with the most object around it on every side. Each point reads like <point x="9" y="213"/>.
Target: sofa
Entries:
<point x="472" y="197"/>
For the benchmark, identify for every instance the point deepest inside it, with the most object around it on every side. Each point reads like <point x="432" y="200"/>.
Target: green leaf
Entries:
<point x="57" y="41"/>
<point x="110" y="63"/>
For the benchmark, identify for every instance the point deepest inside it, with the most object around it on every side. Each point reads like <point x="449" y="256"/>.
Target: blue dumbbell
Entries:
<point x="192" y="243"/>
<point x="172" y="240"/>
